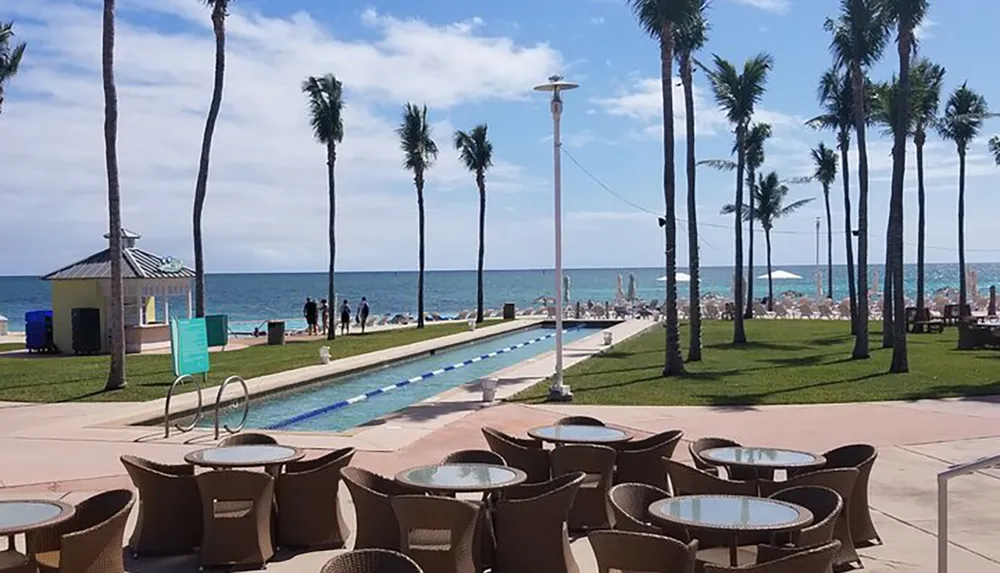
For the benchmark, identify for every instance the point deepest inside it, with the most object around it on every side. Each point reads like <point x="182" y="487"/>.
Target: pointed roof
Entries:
<point x="136" y="264"/>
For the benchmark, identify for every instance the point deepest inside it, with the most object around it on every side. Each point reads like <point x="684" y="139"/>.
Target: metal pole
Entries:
<point x="942" y="524"/>
<point x="557" y="383"/>
<point x="819" y="273"/>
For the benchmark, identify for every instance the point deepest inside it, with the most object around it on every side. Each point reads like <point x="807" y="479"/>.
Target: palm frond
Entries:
<point x="691" y="33"/>
<point x="859" y="33"/>
<point x="906" y="16"/>
<point x="756" y="136"/>
<point x="419" y="150"/>
<point x="10" y="58"/>
<point x="475" y="149"/>
<point x="738" y="93"/>
<point x="769" y="200"/>
<point x="730" y="208"/>
<point x="926" y="82"/>
<point x="654" y="16"/>
<point x="964" y="115"/>
<point x="825" y="163"/>
<point x="995" y="148"/>
<point x="325" y="96"/>
<point x="720" y="164"/>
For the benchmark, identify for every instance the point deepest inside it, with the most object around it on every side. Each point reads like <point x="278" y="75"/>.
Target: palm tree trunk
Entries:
<point x="481" y="183"/>
<point x="770" y="281"/>
<point x="900" y="360"/>
<point x="694" y="344"/>
<point x="751" y="181"/>
<point x="888" y="335"/>
<point x="673" y="362"/>
<point x="419" y="181"/>
<point x="219" y="27"/>
<point x="921" y="220"/>
<point x="331" y="161"/>
<point x="116" y="303"/>
<point x="860" y="117"/>
<point x="739" y="332"/>
<point x="845" y="165"/>
<point x="829" y="244"/>
<point x="963" y="295"/>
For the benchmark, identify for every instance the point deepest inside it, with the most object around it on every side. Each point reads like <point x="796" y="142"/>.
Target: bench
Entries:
<point x="922" y="322"/>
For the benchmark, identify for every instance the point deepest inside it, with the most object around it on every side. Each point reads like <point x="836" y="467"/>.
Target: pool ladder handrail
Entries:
<point x="246" y="406"/>
<point x="166" y="409"/>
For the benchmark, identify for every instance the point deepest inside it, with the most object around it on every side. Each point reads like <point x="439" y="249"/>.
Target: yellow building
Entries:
<point x="86" y="284"/>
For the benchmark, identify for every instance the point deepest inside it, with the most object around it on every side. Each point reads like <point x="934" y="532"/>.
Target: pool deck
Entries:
<point x="56" y="451"/>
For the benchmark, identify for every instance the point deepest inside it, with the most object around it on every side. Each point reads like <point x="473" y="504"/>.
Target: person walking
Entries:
<point x="363" y="311"/>
<point x="345" y="317"/>
<point x="310" y="310"/>
<point x="324" y="315"/>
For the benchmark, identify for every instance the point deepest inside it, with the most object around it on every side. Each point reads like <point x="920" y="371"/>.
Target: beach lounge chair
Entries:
<point x="780" y="311"/>
<point x="760" y="311"/>
<point x="824" y="311"/>
<point x="711" y="311"/>
<point x="462" y="315"/>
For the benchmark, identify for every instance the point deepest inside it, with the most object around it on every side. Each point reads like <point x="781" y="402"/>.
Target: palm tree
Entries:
<point x="219" y="13"/>
<point x="419" y="153"/>
<point x="116" y="373"/>
<point x="10" y="57"/>
<point x="658" y="19"/>
<point x="963" y="118"/>
<point x="326" y="101"/>
<point x="770" y="206"/>
<point x="476" y="153"/>
<point x="825" y="160"/>
<point x="995" y="148"/>
<point x="737" y="94"/>
<point x="859" y="36"/>
<point x="756" y="136"/>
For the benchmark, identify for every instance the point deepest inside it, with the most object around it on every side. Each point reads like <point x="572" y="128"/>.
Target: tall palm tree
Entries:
<point x="689" y="37"/>
<point x="658" y="18"/>
<point x="116" y="373"/>
<point x="995" y="148"/>
<point x="825" y="161"/>
<point x="419" y="153"/>
<point x="756" y="136"/>
<point x="859" y="37"/>
<point x="963" y="118"/>
<point x="476" y="153"/>
<point x="10" y="56"/>
<point x="325" y="95"/>
<point x="737" y="93"/>
<point x="219" y="13"/>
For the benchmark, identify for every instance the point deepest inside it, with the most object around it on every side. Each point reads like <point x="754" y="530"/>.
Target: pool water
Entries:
<point x="302" y="409"/>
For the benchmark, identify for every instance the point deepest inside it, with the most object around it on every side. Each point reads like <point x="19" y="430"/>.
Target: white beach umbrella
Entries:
<point x="619" y="292"/>
<point x="631" y="287"/>
<point x="781" y="275"/>
<point x="566" y="289"/>
<point x="681" y="278"/>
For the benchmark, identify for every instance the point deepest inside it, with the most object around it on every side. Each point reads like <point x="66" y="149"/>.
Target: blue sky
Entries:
<point x="471" y="63"/>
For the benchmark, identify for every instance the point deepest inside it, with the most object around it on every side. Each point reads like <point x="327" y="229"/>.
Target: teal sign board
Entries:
<point x="189" y="346"/>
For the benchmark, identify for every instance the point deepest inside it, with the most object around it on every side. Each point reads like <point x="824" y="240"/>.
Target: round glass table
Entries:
<point x="731" y="515"/>
<point x="249" y="456"/>
<point x="461" y="477"/>
<point x="21" y="516"/>
<point x="580" y="434"/>
<point x="763" y="458"/>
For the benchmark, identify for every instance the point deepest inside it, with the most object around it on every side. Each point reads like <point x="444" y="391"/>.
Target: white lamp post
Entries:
<point x="556" y="85"/>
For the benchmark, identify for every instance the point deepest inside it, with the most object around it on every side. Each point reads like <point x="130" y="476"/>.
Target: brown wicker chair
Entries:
<point x="438" y="532"/>
<point x="371" y="561"/>
<point x="474" y="457"/>
<point x="825" y="505"/>
<point x="840" y="480"/>
<point x="377" y="527"/>
<point x="309" y="513"/>
<point x="639" y="461"/>
<point x="91" y="541"/>
<point x="236" y="509"/>
<point x="632" y="551"/>
<point x="771" y="559"/>
<point x="590" y="509"/>
<point x="530" y="527"/>
<point x="686" y="480"/>
<point x="579" y="421"/>
<point x="860" y="457"/>
<point x="630" y="504"/>
<point x="734" y="473"/>
<point x="247" y="439"/>
<point x="12" y="561"/>
<point x="523" y="454"/>
<point x="169" y="520"/>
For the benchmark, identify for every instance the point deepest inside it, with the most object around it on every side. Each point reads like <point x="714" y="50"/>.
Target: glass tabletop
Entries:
<point x="731" y="513"/>
<point x="762" y="457"/>
<point x="244" y="456"/>
<point x="461" y="477"/>
<point x="20" y="516"/>
<point x="579" y="434"/>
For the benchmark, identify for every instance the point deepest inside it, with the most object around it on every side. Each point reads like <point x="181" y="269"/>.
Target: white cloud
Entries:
<point x="597" y="20"/>
<point x="923" y="31"/>
<point x="779" y="6"/>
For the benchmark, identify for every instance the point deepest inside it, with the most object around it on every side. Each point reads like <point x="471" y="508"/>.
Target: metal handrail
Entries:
<point x="166" y="408"/>
<point x="942" y="479"/>
<point x="246" y="405"/>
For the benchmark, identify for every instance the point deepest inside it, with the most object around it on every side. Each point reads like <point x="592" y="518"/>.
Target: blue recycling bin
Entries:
<point x="38" y="331"/>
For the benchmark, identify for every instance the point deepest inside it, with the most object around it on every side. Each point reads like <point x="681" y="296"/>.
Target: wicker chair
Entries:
<point x="840" y="480"/>
<point x="530" y="526"/>
<point x="438" y="532"/>
<point x="630" y="504"/>
<point x="169" y="520"/>
<point x="12" y="561"/>
<point x="741" y="474"/>
<point x="825" y="505"/>
<point x="91" y="541"/>
<point x="860" y="457"/>
<point x="371" y="561"/>
<point x="579" y="421"/>
<point x="377" y="527"/>
<point x="248" y="439"/>
<point x="639" y="461"/>
<point x="686" y="480"/>
<point x="631" y="551"/>
<point x="523" y="454"/>
<point x="590" y="509"/>
<point x="236" y="509"/>
<point x="474" y="457"/>
<point x="309" y="513"/>
<point x="770" y="559"/>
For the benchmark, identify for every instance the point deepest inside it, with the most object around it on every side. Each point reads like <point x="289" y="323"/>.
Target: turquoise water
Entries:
<point x="274" y="410"/>
<point x="249" y="299"/>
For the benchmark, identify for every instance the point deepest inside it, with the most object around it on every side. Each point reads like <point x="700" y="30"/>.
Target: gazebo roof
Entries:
<point x="136" y="264"/>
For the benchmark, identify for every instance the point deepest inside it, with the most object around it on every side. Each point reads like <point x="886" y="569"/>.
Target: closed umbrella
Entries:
<point x="631" y="287"/>
<point x="566" y="289"/>
<point x="993" y="301"/>
<point x="619" y="292"/>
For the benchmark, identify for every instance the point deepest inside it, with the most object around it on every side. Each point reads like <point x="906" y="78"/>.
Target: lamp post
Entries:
<point x="556" y="85"/>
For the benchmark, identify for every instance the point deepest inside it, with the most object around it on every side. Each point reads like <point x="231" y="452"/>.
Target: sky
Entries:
<point x="470" y="63"/>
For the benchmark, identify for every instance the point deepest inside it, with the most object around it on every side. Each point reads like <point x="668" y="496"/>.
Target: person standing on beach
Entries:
<point x="345" y="317"/>
<point x="310" y="311"/>
<point x="363" y="311"/>
<point x="324" y="314"/>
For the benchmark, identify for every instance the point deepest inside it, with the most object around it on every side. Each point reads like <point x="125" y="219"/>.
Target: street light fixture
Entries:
<point x="558" y="391"/>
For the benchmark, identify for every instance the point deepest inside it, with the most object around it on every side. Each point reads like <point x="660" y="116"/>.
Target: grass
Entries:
<point x="785" y="362"/>
<point x="82" y="378"/>
<point x="8" y="346"/>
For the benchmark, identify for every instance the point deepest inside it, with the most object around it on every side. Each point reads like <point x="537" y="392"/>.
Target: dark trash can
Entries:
<point x="86" y="323"/>
<point x="217" y="329"/>
<point x="509" y="312"/>
<point x="275" y="332"/>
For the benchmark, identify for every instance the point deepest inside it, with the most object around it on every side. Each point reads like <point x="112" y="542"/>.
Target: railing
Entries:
<point x="942" y="478"/>
<point x="246" y="405"/>
<point x="166" y="410"/>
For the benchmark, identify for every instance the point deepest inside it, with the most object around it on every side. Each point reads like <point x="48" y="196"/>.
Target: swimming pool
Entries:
<point x="333" y="405"/>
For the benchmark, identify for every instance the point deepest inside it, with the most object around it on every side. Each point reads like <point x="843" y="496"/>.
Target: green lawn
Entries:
<point x="8" y="346"/>
<point x="786" y="362"/>
<point x="72" y="378"/>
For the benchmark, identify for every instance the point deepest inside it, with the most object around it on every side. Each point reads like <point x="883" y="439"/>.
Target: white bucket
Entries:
<point x="608" y="338"/>
<point x="472" y="325"/>
<point x="324" y="354"/>
<point x="489" y="386"/>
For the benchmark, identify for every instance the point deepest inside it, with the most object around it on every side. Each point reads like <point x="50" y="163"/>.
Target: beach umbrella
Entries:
<point x="873" y="288"/>
<point x="681" y="278"/>
<point x="631" y="287"/>
<point x="781" y="275"/>
<point x="619" y="292"/>
<point x="819" y="284"/>
<point x="566" y="289"/>
<point x="992" y="310"/>
<point x="973" y="282"/>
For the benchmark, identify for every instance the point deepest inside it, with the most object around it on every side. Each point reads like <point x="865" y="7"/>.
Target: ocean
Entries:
<point x="250" y="299"/>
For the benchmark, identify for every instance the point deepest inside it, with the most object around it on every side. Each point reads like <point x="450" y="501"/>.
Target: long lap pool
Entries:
<point x="341" y="403"/>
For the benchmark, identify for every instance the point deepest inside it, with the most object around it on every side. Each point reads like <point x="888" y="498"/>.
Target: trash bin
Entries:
<point x="472" y="325"/>
<point x="509" y="312"/>
<point x="38" y="331"/>
<point x="86" y="325"/>
<point x="275" y="332"/>
<point x="217" y="329"/>
<point x="607" y="338"/>
<point x="489" y="386"/>
<point x="324" y="354"/>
